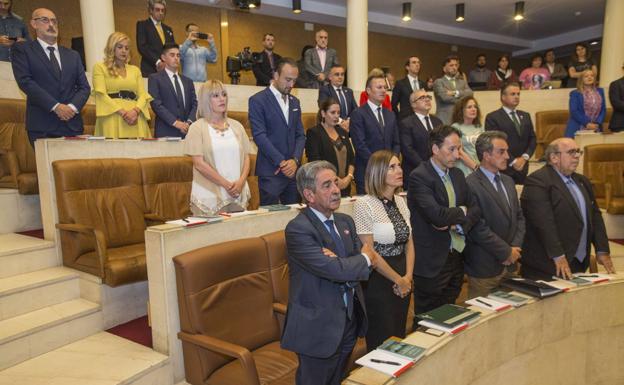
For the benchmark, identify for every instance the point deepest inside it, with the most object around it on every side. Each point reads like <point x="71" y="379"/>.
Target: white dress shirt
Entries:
<point x="280" y="100"/>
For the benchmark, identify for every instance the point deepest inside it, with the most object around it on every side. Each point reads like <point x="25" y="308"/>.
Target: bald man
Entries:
<point x="53" y="79"/>
<point x="562" y="217"/>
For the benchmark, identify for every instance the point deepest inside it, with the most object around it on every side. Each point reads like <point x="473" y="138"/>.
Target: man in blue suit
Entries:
<point x="53" y="79"/>
<point x="275" y="118"/>
<point x="373" y="128"/>
<point x="326" y="261"/>
<point x="174" y="103"/>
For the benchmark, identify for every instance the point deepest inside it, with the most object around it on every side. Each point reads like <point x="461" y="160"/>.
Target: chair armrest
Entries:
<point x="279" y="308"/>
<point x="100" y="241"/>
<point x="153" y="219"/>
<point x="229" y="349"/>
<point x="9" y="159"/>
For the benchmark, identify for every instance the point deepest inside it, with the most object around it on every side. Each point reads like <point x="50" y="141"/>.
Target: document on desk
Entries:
<point x="385" y="362"/>
<point x="194" y="221"/>
<point x="488" y="304"/>
<point x="593" y="277"/>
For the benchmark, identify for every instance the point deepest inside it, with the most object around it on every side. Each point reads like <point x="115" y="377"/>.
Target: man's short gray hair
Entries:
<point x="551" y="149"/>
<point x="151" y="3"/>
<point x="484" y="142"/>
<point x="306" y="175"/>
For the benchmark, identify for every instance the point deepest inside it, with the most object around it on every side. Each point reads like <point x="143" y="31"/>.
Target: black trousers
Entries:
<point x="430" y="293"/>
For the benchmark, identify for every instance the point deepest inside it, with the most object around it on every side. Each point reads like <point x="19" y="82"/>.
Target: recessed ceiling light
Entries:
<point x="577" y="13"/>
<point x="594" y="43"/>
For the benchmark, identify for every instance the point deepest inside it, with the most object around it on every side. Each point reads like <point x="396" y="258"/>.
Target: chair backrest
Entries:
<point x="106" y="194"/>
<point x="167" y="185"/>
<point x="12" y="110"/>
<point x="278" y="264"/>
<point x="224" y="291"/>
<point x="243" y="118"/>
<point x="605" y="163"/>
<point x="308" y="119"/>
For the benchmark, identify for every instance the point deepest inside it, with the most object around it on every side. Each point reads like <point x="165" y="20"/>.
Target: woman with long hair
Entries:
<point x="467" y="119"/>
<point x="503" y="74"/>
<point x="581" y="61"/>
<point x="587" y="106"/>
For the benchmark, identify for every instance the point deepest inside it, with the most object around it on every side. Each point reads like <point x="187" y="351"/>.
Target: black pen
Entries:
<point x="587" y="276"/>
<point x="483" y="302"/>
<point x="185" y="220"/>
<point x="384" y="362"/>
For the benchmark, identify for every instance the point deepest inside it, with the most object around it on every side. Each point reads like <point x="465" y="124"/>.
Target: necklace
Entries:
<point x="220" y="130"/>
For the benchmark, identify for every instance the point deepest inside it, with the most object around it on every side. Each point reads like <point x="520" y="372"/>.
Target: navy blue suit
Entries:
<point x="317" y="327"/>
<point x="368" y="136"/>
<point x="35" y="77"/>
<point x="165" y="103"/>
<point x="276" y="141"/>
<point x="327" y="91"/>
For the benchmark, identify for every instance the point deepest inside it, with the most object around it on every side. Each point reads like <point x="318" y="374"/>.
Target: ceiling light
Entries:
<point x="595" y="42"/>
<point x="519" y="11"/>
<point x="459" y="12"/>
<point x="296" y="5"/>
<point x="577" y="13"/>
<point x="407" y="11"/>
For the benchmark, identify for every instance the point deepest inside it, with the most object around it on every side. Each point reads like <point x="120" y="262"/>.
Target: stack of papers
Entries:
<point x="386" y="362"/>
<point x="194" y="221"/>
<point x="514" y="300"/>
<point x="488" y="304"/>
<point x="448" y="318"/>
<point x="593" y="277"/>
<point x="531" y="287"/>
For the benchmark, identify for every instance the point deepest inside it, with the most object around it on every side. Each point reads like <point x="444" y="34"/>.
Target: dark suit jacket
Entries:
<point x="319" y="146"/>
<point x="428" y="203"/>
<point x="149" y="44"/>
<point x="501" y="226"/>
<point x="35" y="77"/>
<point x="328" y="91"/>
<point x="518" y="144"/>
<point x="262" y="70"/>
<point x="616" y="96"/>
<point x="415" y="142"/>
<point x="276" y="139"/>
<point x="554" y="222"/>
<point x="400" y="97"/>
<point x="313" y="62"/>
<point x="165" y="103"/>
<point x="368" y="136"/>
<point x="315" y="320"/>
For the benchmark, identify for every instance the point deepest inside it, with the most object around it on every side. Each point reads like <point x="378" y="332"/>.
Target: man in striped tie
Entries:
<point x="151" y="35"/>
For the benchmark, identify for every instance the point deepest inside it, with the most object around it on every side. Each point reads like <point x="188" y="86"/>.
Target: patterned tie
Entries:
<point x="501" y="192"/>
<point x="380" y="117"/>
<point x="428" y="122"/>
<point x="55" y="64"/>
<point x="161" y="33"/>
<point x="343" y="103"/>
<point x="516" y="122"/>
<point x="457" y="241"/>
<point x="347" y="288"/>
<point x="178" y="90"/>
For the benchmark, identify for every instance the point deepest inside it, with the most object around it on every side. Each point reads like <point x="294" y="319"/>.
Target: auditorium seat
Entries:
<point x="252" y="181"/>
<point x="167" y="187"/>
<point x="101" y="211"/>
<point x="229" y="328"/>
<point x="308" y="119"/>
<point x="18" y="168"/>
<point x="603" y="164"/>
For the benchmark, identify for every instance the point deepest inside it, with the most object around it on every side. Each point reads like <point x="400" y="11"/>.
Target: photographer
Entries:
<point x="194" y="57"/>
<point x="264" y="68"/>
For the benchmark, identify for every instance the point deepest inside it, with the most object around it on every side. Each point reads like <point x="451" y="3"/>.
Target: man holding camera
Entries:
<point x="194" y="56"/>
<point x="12" y="30"/>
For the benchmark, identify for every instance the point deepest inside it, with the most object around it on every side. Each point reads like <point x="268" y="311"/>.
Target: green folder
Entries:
<point x="394" y="345"/>
<point x="449" y="315"/>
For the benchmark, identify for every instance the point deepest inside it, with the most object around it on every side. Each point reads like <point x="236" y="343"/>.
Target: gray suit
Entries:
<point x="446" y="103"/>
<point x="501" y="226"/>
<point x="313" y="64"/>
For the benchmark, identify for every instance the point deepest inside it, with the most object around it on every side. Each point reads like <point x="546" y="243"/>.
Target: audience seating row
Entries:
<point x="104" y="206"/>
<point x="550" y="125"/>
<point x="232" y="300"/>
<point x="603" y="164"/>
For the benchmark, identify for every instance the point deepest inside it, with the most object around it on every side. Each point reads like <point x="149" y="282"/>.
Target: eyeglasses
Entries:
<point x="573" y="152"/>
<point x="46" y="20"/>
<point x="428" y="97"/>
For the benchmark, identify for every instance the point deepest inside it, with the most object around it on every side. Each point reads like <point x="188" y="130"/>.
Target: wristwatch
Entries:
<point x="526" y="157"/>
<point x="297" y="161"/>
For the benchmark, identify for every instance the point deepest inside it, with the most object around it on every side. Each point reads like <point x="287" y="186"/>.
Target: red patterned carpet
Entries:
<point x="136" y="330"/>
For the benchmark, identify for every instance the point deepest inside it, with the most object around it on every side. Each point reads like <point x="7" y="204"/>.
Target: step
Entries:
<point x="37" y="332"/>
<point x="19" y="212"/>
<point x="27" y="292"/>
<point x="100" y="359"/>
<point x="21" y="254"/>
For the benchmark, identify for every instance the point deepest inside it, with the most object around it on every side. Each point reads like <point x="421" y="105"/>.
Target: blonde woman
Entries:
<point x="121" y="102"/>
<point x="587" y="105"/>
<point x="220" y="150"/>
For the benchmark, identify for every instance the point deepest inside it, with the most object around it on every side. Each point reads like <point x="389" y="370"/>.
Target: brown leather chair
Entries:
<point x="101" y="218"/>
<point x="18" y="167"/>
<point x="252" y="181"/>
<point x="603" y="164"/>
<point x="229" y="329"/>
<point x="243" y="118"/>
<point x="167" y="187"/>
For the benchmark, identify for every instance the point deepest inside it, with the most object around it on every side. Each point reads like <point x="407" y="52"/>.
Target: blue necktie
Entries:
<point x="347" y="288"/>
<point x="581" y="250"/>
<point x="343" y="104"/>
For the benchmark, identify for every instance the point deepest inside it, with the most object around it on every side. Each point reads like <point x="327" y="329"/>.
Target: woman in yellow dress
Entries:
<point x="121" y="102"/>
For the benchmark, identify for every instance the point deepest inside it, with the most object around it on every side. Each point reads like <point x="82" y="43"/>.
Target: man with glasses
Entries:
<point x="53" y="79"/>
<point x="414" y="132"/>
<point x="519" y="129"/>
<point x="151" y="35"/>
<point x="563" y="219"/>
<point x="12" y="30"/>
<point x="337" y="91"/>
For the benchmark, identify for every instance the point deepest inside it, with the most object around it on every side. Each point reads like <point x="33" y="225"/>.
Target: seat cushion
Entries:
<point x="275" y="366"/>
<point x="617" y="206"/>
<point x="124" y="264"/>
<point x="27" y="183"/>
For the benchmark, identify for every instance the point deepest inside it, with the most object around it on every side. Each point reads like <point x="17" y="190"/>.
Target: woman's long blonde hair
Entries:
<point x="580" y="82"/>
<point x="209" y="88"/>
<point x="109" y="52"/>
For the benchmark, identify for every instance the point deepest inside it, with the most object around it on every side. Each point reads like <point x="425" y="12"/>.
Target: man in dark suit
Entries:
<point x="275" y="117"/>
<point x="326" y="261"/>
<point x="320" y="59"/>
<point x="265" y="68"/>
<point x="616" y="96"/>
<point x="337" y="91"/>
<point x="519" y="129"/>
<point x="414" y="132"/>
<point x="443" y="211"/>
<point x="151" y="35"/>
<point x="562" y="217"/>
<point x="53" y="79"/>
<point x="372" y="128"/>
<point x="494" y="244"/>
<point x="405" y="87"/>
<point x="174" y="103"/>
